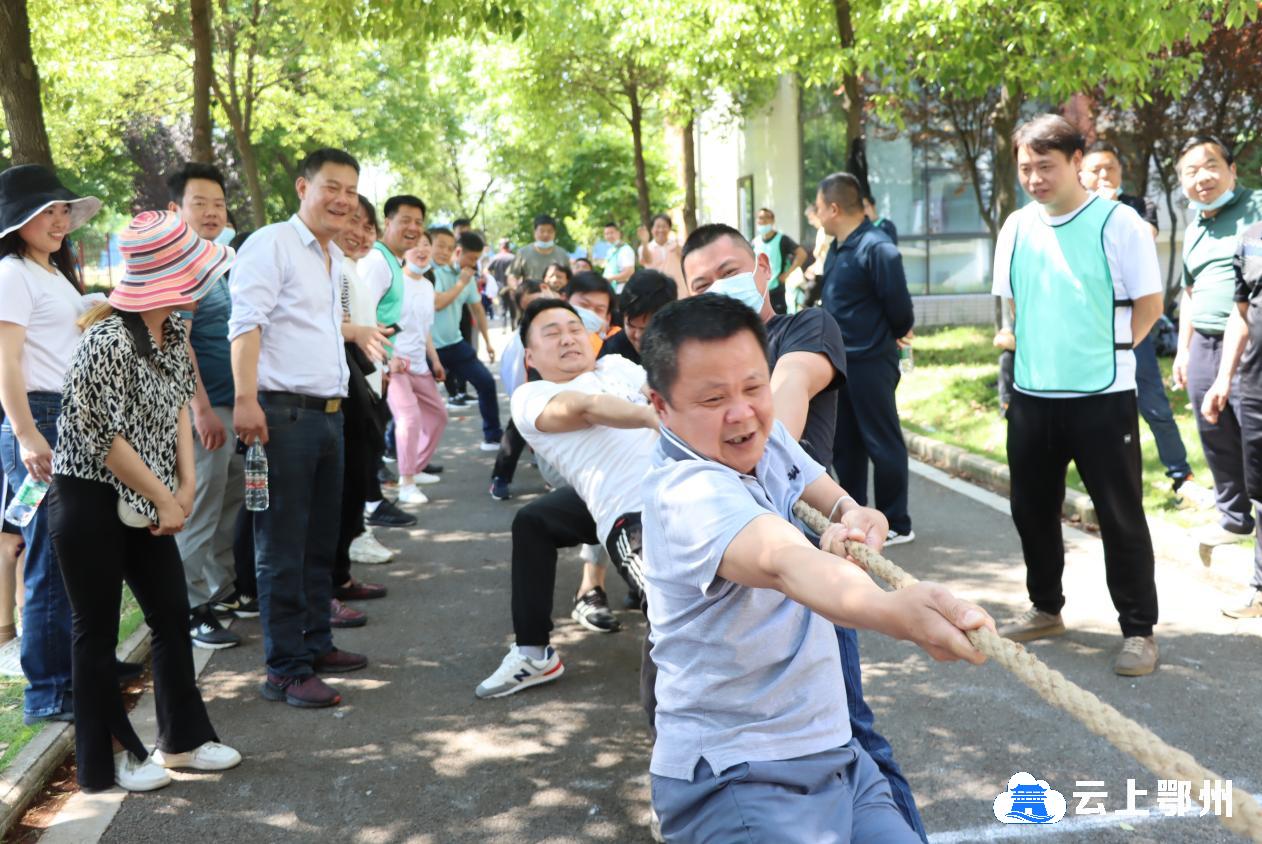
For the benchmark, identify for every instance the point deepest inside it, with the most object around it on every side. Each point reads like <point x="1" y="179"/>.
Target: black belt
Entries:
<point x="296" y="400"/>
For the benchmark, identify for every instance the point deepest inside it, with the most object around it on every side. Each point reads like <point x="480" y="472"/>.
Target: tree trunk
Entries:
<point x="1004" y="187"/>
<point x="250" y="161"/>
<point x="637" y="140"/>
<point x="203" y="73"/>
<point x="19" y="88"/>
<point x="690" y="178"/>
<point x="856" y="101"/>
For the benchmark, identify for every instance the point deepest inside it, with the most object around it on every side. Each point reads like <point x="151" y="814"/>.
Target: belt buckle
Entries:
<point x="332" y="405"/>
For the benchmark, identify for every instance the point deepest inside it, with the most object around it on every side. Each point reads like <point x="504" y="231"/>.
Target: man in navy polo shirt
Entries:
<point x="866" y="292"/>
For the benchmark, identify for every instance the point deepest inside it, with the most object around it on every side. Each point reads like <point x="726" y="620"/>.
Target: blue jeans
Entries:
<point x="46" y="619"/>
<point x="461" y="360"/>
<point x="861" y="726"/>
<point x="1154" y="406"/>
<point x="295" y="537"/>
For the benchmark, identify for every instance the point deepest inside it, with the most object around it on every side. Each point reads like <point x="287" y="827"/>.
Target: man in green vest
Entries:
<point x="1083" y="275"/>
<point x="382" y="268"/>
<point x="783" y="252"/>
<point x="1222" y="210"/>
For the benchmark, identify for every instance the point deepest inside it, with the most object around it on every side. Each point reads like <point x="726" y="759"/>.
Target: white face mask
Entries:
<point x="742" y="288"/>
<point x="1196" y="205"/>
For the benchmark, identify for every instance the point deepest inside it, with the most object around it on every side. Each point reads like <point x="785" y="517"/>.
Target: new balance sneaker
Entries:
<point x="237" y="605"/>
<point x="134" y="774"/>
<point x="489" y="446"/>
<point x="422" y="478"/>
<point x="591" y="609"/>
<point x="366" y="549"/>
<point x="896" y="538"/>
<point x="388" y="514"/>
<point x="211" y="756"/>
<point x="500" y="490"/>
<point x="1033" y="624"/>
<point x="206" y="631"/>
<point x="519" y="671"/>
<point x="308" y="692"/>
<point x="342" y="616"/>
<point x="411" y="494"/>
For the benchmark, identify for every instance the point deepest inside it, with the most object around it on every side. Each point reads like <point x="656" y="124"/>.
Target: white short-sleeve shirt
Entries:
<point x="1133" y="264"/>
<point x="46" y="305"/>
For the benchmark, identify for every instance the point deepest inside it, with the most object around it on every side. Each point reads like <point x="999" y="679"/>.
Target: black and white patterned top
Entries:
<point x="120" y="384"/>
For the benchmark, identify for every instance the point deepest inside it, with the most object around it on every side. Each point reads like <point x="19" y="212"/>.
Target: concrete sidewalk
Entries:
<point x="413" y="757"/>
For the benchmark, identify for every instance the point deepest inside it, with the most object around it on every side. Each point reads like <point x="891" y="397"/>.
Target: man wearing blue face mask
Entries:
<point x="1221" y="211"/>
<point x="782" y="251"/>
<point x="533" y="259"/>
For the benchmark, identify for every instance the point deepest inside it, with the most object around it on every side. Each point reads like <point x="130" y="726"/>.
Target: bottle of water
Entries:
<point x="25" y="502"/>
<point x="906" y="363"/>
<point x="256" y="497"/>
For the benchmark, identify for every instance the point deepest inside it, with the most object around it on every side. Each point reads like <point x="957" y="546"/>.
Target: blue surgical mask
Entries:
<point x="415" y="269"/>
<point x="742" y="288"/>
<point x="1212" y="206"/>
<point x="592" y="321"/>
<point x="765" y="230"/>
<point x="545" y="244"/>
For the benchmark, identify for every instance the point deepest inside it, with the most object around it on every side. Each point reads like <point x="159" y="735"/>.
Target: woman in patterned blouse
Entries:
<point x="122" y="487"/>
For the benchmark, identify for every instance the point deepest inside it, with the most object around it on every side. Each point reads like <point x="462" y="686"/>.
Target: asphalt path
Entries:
<point x="412" y="756"/>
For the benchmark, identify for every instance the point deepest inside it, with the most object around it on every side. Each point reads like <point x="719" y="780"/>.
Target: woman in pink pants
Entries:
<point x="420" y="415"/>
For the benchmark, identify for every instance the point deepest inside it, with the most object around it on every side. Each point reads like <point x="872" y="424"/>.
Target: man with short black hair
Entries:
<point x="647" y="292"/>
<point x="865" y="290"/>
<point x="533" y="259"/>
<point x="883" y="223"/>
<point x="753" y="742"/>
<point x="782" y="251"/>
<point x="1222" y="211"/>
<point x="197" y="195"/>
<point x="290" y="374"/>
<point x="620" y="260"/>
<point x="498" y="266"/>
<point x="455" y="287"/>
<point x="1083" y="276"/>
<point x="1102" y="175"/>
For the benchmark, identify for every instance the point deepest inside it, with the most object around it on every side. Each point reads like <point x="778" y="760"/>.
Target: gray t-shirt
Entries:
<point x="530" y="263"/>
<point x="744" y="675"/>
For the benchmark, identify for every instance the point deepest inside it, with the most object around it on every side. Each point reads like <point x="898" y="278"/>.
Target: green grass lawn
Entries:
<point x="951" y="395"/>
<point x="13" y="733"/>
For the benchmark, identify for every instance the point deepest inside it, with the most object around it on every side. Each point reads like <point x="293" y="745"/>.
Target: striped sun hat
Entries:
<point x="167" y="264"/>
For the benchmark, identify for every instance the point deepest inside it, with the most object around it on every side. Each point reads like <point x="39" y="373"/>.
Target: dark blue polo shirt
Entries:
<point x="866" y="292"/>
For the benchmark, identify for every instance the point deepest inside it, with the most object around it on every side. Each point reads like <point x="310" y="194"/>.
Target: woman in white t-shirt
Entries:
<point x="420" y="415"/>
<point x="41" y="297"/>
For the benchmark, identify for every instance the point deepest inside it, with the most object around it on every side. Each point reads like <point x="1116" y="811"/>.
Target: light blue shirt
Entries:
<point x="744" y="675"/>
<point x="279" y="283"/>
<point x="446" y="331"/>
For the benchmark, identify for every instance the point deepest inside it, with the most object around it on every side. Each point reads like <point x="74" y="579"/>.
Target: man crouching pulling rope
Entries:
<point x="742" y="605"/>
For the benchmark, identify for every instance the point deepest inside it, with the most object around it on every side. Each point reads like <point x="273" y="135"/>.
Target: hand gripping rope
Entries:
<point x="1139" y="742"/>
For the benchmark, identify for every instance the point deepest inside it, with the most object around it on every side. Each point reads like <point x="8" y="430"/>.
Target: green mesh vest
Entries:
<point x="390" y="308"/>
<point x="771" y="248"/>
<point x="1063" y="292"/>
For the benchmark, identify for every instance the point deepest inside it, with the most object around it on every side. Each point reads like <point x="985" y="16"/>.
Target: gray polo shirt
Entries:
<point x="744" y="675"/>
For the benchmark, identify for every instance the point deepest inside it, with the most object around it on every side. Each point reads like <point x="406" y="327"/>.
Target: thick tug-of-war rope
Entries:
<point x="1164" y="760"/>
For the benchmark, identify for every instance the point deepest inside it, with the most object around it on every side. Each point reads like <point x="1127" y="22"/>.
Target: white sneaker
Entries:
<point x="1214" y="535"/>
<point x="410" y="494"/>
<point x="519" y="671"/>
<point x="211" y="756"/>
<point x="425" y="478"/>
<point x="490" y="447"/>
<point x="896" y="538"/>
<point x="134" y="775"/>
<point x="366" y="549"/>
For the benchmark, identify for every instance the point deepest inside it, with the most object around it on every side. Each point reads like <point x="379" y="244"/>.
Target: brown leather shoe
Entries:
<point x="354" y="590"/>
<point x="303" y="692"/>
<point x="339" y="662"/>
<point x="341" y="615"/>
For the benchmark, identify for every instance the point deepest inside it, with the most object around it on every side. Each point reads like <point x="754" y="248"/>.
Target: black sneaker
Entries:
<point x="633" y="600"/>
<point x="499" y="489"/>
<point x="206" y="631"/>
<point x="433" y="469"/>
<point x="388" y="514"/>
<point x="591" y="610"/>
<point x="237" y="605"/>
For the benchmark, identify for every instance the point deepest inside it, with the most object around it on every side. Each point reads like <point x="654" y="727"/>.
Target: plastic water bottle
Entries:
<point x="256" y="497"/>
<point x="26" y="501"/>
<point x="906" y="363"/>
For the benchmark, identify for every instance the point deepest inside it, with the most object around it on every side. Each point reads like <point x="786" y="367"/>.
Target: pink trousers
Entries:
<point x="420" y="417"/>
